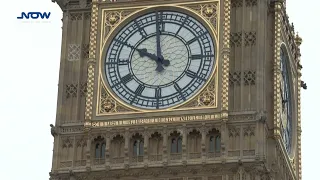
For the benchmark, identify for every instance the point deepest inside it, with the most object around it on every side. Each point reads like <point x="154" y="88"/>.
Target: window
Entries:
<point x="155" y="144"/>
<point x="97" y="151"/>
<point x="117" y="147"/>
<point x="214" y="142"/>
<point x="218" y="142"/>
<point x="138" y="148"/>
<point x="176" y="145"/>
<point x="194" y="142"/>
<point x="100" y="147"/>
<point x="100" y="150"/>
<point x="137" y="144"/>
<point x="211" y="144"/>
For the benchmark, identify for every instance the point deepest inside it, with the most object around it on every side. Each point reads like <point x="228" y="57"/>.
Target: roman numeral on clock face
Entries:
<point x="179" y="90"/>
<point x="157" y="96"/>
<point x="127" y="78"/>
<point x="123" y="62"/>
<point x="141" y="30"/>
<point x="192" y="74"/>
<point x="139" y="89"/>
<point x="158" y="93"/>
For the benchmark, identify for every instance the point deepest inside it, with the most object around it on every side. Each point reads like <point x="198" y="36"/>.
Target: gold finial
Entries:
<point x="298" y="39"/>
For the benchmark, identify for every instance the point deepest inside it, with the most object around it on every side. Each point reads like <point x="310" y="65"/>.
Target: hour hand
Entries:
<point x="144" y="52"/>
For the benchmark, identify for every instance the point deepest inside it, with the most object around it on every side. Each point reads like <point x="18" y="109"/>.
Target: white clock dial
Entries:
<point x="285" y="89"/>
<point x="159" y="60"/>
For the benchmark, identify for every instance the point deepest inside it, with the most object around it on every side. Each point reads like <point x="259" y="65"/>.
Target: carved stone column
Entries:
<point x="126" y="146"/>
<point x="145" y="145"/>
<point x="165" y="144"/>
<point x="224" y="138"/>
<point x="88" y="153"/>
<point x="74" y="151"/>
<point x="108" y="149"/>
<point x="203" y="141"/>
<point x="184" y="143"/>
<point x="260" y="136"/>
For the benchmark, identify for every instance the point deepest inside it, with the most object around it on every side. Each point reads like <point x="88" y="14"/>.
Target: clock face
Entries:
<point x="159" y="60"/>
<point x="286" y="112"/>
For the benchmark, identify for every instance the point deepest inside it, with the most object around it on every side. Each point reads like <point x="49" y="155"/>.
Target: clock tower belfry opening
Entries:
<point x="178" y="90"/>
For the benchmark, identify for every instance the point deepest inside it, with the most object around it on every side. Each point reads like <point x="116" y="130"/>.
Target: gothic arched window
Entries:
<point x="211" y="144"/>
<point x="218" y="143"/>
<point x="97" y="152"/>
<point x="100" y="146"/>
<point x="138" y="148"/>
<point x="102" y="151"/>
<point x="176" y="145"/>
<point x="137" y="145"/>
<point x="194" y="142"/>
<point x="214" y="141"/>
<point x="117" y="144"/>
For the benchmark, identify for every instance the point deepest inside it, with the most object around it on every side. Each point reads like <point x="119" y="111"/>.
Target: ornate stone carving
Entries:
<point x="74" y="90"/>
<point x="83" y="89"/>
<point x="71" y="90"/>
<point x="74" y="4"/>
<point x="236" y="39"/>
<point x="249" y="77"/>
<point x="67" y="142"/>
<point x="85" y="51"/>
<point x="234" y="131"/>
<point x="113" y="18"/>
<point x="236" y="3"/>
<point x="64" y="130"/>
<point x="251" y="2"/>
<point x="249" y="130"/>
<point x="234" y="78"/>
<point x="250" y="38"/>
<point x="242" y="117"/>
<point x="75" y="16"/>
<point x="108" y="104"/>
<point x="210" y="12"/>
<point x="74" y="52"/>
<point x="207" y="98"/>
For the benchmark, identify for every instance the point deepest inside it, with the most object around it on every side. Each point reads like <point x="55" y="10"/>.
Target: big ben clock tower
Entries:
<point x="178" y="90"/>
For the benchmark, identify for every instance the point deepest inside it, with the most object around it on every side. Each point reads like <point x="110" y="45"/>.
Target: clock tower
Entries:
<point x="178" y="90"/>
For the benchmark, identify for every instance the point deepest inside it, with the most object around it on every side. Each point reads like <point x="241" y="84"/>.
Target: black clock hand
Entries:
<point x="158" y="35"/>
<point x="160" y="57"/>
<point x="144" y="52"/>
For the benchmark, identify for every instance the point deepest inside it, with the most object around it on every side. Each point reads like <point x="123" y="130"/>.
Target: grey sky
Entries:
<point x="30" y="55"/>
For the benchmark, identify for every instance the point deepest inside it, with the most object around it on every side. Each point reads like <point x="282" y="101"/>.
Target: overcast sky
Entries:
<point x="30" y="55"/>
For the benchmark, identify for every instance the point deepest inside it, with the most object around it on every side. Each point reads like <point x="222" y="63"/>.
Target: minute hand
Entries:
<point x="158" y="35"/>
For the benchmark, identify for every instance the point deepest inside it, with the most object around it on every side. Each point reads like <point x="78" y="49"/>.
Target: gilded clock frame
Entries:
<point x="117" y="20"/>
<point x="293" y="94"/>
